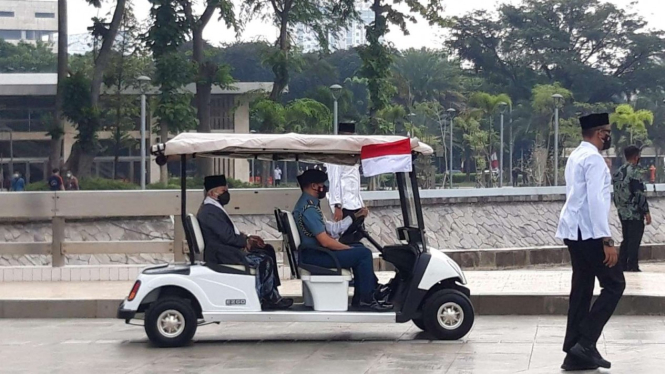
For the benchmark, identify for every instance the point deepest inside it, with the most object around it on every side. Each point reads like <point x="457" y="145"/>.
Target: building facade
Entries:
<point x="28" y="100"/>
<point x="353" y="36"/>
<point x="28" y="20"/>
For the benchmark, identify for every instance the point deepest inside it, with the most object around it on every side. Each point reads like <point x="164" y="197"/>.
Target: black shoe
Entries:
<point x="373" y="306"/>
<point x="279" y="304"/>
<point x="572" y="363"/>
<point x="589" y="354"/>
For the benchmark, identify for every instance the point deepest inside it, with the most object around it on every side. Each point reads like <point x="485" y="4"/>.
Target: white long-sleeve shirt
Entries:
<point x="587" y="206"/>
<point x="344" y="186"/>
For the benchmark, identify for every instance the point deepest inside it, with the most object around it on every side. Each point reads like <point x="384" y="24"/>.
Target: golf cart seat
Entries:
<point x="198" y="246"/>
<point x="324" y="289"/>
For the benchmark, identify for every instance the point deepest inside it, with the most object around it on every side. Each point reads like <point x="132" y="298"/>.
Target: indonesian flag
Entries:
<point x="386" y="158"/>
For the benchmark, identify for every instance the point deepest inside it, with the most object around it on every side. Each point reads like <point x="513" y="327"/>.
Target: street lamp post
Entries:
<point x="451" y="114"/>
<point x="335" y="89"/>
<point x="502" y="107"/>
<point x="143" y="82"/>
<point x="557" y="100"/>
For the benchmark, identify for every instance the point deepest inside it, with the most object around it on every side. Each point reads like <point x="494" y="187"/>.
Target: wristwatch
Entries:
<point x="608" y="242"/>
<point x="338" y="206"/>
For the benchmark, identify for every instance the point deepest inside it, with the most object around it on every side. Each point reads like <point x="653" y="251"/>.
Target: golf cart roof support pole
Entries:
<point x="402" y="198"/>
<point x="183" y="206"/>
<point x="416" y="201"/>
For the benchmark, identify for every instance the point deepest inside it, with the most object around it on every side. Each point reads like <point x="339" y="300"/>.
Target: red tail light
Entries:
<point x="134" y="291"/>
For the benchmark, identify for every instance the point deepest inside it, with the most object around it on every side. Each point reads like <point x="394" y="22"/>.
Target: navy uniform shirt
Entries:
<point x="309" y="220"/>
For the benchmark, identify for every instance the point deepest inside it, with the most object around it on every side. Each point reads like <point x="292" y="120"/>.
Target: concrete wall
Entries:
<point x="458" y="223"/>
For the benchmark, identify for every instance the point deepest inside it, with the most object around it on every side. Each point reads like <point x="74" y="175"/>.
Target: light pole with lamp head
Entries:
<point x="335" y="90"/>
<point x="451" y="115"/>
<point x="557" y="100"/>
<point x="502" y="108"/>
<point x="143" y="83"/>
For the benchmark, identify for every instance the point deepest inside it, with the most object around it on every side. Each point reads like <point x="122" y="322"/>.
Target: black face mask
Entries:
<point x="322" y="191"/>
<point x="224" y="198"/>
<point x="607" y="142"/>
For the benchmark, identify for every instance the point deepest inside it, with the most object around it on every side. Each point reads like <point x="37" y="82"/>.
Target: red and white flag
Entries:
<point x="386" y="158"/>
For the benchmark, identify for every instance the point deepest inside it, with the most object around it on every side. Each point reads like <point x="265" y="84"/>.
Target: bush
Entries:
<point x="197" y="183"/>
<point x="37" y="186"/>
<point x="97" y="184"/>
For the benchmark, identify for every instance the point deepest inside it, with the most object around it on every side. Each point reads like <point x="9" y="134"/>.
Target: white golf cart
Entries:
<point x="173" y="299"/>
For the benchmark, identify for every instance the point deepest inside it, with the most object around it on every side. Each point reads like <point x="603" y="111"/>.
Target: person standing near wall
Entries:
<point x="344" y="195"/>
<point x="631" y="202"/>
<point x="584" y="226"/>
<point x="18" y="183"/>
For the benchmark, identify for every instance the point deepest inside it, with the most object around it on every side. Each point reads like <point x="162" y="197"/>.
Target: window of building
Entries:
<point x="10" y="34"/>
<point x="6" y="14"/>
<point x="44" y="15"/>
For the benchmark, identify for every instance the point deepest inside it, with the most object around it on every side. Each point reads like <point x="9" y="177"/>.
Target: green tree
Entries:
<point x="489" y="105"/>
<point x="57" y="128"/>
<point x="323" y="17"/>
<point x="27" y="58"/>
<point x="167" y="33"/>
<point x="377" y="58"/>
<point x="209" y="72"/>
<point x="591" y="47"/>
<point x="634" y="122"/>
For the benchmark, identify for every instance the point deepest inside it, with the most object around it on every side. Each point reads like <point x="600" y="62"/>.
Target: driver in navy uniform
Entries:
<point x="312" y="230"/>
<point x="225" y="244"/>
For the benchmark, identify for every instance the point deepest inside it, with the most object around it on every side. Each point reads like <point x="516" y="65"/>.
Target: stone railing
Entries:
<point x="479" y="227"/>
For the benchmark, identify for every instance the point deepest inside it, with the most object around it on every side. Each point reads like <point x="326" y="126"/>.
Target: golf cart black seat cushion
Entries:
<point x="198" y="243"/>
<point x="291" y="230"/>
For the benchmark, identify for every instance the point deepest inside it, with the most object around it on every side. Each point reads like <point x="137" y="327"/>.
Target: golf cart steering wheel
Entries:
<point x="355" y="226"/>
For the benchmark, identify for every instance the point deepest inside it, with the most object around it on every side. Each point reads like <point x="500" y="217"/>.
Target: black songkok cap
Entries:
<point x="214" y="181"/>
<point x="311" y="176"/>
<point x="594" y="120"/>
<point x="349" y="127"/>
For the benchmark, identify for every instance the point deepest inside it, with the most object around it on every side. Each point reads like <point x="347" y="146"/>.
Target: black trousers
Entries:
<point x="586" y="322"/>
<point x="354" y="237"/>
<point x="632" y="230"/>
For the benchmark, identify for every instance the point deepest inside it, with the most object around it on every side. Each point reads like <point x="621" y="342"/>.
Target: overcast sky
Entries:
<point x="421" y="34"/>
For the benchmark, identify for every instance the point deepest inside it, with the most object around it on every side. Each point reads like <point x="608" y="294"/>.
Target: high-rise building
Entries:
<point x="353" y="36"/>
<point x="28" y="20"/>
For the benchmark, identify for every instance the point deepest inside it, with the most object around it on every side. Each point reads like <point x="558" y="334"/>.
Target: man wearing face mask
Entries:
<point x="313" y="233"/>
<point x="585" y="229"/>
<point x="225" y="244"/>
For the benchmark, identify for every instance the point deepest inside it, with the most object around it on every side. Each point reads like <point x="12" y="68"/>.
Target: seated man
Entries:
<point x="312" y="229"/>
<point x="225" y="244"/>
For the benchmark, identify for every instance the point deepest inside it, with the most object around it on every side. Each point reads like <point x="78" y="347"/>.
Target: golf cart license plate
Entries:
<point x="236" y="301"/>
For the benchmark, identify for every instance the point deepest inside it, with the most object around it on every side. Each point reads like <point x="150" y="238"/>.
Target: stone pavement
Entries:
<point x="495" y="345"/>
<point x="535" y="291"/>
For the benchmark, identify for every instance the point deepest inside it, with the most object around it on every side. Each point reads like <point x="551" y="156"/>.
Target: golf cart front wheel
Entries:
<point x="448" y="315"/>
<point x="170" y="322"/>
<point x="419" y="323"/>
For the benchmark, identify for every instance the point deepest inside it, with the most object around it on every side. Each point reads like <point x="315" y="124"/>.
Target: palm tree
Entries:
<point x="625" y="117"/>
<point x="487" y="104"/>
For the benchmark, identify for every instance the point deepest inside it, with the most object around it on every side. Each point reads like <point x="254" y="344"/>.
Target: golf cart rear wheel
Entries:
<point x="170" y="322"/>
<point x="448" y="315"/>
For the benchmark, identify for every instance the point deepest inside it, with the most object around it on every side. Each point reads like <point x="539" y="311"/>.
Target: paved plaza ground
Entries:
<point x="635" y="345"/>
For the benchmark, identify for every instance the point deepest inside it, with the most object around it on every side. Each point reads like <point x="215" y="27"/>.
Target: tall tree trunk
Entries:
<point x="57" y="133"/>
<point x="202" y="98"/>
<point x="163" y="169"/>
<point x="83" y="163"/>
<point x="281" y="69"/>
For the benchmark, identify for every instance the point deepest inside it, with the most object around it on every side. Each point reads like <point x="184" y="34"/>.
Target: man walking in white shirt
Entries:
<point x="584" y="227"/>
<point x="344" y="195"/>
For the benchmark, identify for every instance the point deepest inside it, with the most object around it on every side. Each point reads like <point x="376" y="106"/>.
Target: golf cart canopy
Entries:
<point x="339" y="149"/>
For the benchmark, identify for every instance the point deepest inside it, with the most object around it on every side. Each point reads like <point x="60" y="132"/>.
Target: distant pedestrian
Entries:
<point x="18" y="183"/>
<point x="71" y="182"/>
<point x="584" y="226"/>
<point x="55" y="182"/>
<point x="631" y="202"/>
<point x="277" y="175"/>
